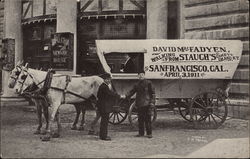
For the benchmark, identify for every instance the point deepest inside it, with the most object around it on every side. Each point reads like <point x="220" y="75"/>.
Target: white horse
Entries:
<point x="14" y="74"/>
<point x="78" y="90"/>
<point x="42" y="105"/>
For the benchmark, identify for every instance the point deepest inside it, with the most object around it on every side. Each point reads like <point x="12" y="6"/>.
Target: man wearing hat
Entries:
<point x="104" y="105"/>
<point x="145" y="100"/>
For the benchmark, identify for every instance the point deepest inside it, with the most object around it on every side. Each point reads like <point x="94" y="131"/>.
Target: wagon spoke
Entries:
<point x="202" y="117"/>
<point x="121" y="115"/>
<point x="114" y="119"/>
<point x="199" y="104"/>
<point x="111" y="115"/>
<point x="135" y="118"/>
<point x="118" y="118"/>
<point x="201" y="97"/>
<point x="195" y="114"/>
<point x="207" y="101"/>
<point x="217" y="116"/>
<point x="214" y="119"/>
<point x="214" y="113"/>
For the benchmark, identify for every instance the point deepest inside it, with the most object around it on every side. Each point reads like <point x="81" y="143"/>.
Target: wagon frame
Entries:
<point x="200" y="100"/>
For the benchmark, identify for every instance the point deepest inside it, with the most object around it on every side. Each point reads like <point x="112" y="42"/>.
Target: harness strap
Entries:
<point x="68" y="79"/>
<point x="47" y="82"/>
<point x="70" y="92"/>
<point x="36" y="94"/>
<point x="41" y="93"/>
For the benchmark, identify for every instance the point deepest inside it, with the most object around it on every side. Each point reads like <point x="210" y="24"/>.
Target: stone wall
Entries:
<point x="223" y="19"/>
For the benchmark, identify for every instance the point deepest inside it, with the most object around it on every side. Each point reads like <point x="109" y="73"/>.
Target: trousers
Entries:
<point x="104" y="125"/>
<point x="144" y="120"/>
<point x="94" y="122"/>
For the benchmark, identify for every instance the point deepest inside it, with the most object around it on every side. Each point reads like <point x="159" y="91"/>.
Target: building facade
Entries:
<point x="88" y="20"/>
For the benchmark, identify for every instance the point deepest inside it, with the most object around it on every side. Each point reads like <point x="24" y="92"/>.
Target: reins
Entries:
<point x="48" y="81"/>
<point x="22" y="83"/>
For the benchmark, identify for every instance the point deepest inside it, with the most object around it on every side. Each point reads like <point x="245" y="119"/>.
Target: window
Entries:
<point x="37" y="44"/>
<point x="125" y="62"/>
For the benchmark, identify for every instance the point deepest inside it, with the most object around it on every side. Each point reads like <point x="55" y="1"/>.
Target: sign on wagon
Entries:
<point x="192" y="59"/>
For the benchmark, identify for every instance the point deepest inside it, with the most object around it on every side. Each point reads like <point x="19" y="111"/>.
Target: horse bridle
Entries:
<point x="16" y="74"/>
<point x="24" y="79"/>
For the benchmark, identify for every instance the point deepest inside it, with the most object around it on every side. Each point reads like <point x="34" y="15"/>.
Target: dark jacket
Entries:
<point x="145" y="93"/>
<point x="130" y="66"/>
<point x="106" y="99"/>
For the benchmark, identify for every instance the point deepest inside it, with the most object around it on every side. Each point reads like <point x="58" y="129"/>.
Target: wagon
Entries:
<point x="191" y="75"/>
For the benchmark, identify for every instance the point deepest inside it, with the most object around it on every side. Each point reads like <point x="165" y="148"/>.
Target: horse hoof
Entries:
<point x="37" y="132"/>
<point x="81" y="128"/>
<point x="55" y="135"/>
<point x="45" y="138"/>
<point x="73" y="128"/>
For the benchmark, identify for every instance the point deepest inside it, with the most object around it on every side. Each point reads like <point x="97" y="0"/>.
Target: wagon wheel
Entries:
<point x="119" y="113"/>
<point x="133" y="115"/>
<point x="208" y="110"/>
<point x="184" y="109"/>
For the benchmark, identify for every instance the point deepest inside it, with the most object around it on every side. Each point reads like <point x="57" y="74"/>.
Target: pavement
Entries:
<point x="173" y="138"/>
<point x="219" y="148"/>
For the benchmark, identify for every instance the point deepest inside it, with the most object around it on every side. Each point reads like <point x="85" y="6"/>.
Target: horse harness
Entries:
<point x="41" y="93"/>
<point x="17" y="73"/>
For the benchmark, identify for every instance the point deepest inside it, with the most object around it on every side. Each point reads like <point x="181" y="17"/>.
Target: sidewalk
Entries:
<point x="224" y="148"/>
<point x="220" y="148"/>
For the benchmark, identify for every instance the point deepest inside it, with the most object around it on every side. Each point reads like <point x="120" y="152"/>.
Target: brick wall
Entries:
<point x="223" y="19"/>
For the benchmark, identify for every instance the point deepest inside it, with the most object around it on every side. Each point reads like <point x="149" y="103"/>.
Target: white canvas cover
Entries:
<point x="179" y="59"/>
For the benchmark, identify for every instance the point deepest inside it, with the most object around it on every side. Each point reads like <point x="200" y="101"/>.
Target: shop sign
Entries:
<point x="62" y="51"/>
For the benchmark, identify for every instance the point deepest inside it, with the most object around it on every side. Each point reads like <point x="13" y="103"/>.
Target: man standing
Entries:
<point x="98" y="116"/>
<point x="145" y="100"/>
<point x="106" y="99"/>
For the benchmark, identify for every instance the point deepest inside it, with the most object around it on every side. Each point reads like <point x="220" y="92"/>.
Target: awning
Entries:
<point x="105" y="16"/>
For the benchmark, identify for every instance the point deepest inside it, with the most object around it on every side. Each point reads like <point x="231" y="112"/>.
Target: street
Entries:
<point x="172" y="137"/>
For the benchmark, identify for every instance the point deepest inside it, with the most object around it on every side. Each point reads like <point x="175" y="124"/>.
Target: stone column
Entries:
<point x="13" y="25"/>
<point x="157" y="19"/>
<point x="67" y="22"/>
<point x="13" y="30"/>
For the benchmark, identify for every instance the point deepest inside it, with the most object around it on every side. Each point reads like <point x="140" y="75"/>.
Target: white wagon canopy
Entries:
<point x="179" y="59"/>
